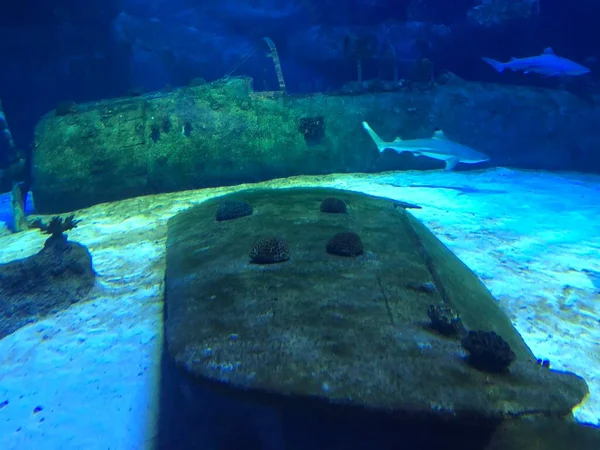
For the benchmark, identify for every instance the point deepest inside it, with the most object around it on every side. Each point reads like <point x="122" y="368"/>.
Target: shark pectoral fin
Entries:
<point x="450" y="163"/>
<point x="381" y="144"/>
<point x="439" y="134"/>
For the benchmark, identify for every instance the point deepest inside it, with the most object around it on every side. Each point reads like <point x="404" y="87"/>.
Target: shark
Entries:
<point x="438" y="147"/>
<point x="547" y="64"/>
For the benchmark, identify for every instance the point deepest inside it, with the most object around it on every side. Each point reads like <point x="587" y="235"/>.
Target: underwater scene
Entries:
<point x="299" y="225"/>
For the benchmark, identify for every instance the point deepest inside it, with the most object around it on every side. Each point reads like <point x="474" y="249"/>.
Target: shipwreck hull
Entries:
<point x="224" y="133"/>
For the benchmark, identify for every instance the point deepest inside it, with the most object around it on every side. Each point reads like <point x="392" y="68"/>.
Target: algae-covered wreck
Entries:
<point x="225" y="133"/>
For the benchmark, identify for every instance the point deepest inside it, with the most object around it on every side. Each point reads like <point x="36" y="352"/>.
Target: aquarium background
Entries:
<point x="86" y="85"/>
<point x="73" y="50"/>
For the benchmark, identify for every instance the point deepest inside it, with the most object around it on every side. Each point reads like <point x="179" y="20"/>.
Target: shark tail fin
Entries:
<point x="495" y="64"/>
<point x="381" y="144"/>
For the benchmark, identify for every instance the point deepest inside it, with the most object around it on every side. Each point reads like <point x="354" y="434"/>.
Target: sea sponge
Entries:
<point x="488" y="351"/>
<point x="270" y="250"/>
<point x="346" y="243"/>
<point x="333" y="205"/>
<point x="233" y="209"/>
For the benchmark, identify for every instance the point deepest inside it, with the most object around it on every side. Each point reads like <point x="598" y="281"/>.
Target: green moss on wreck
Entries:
<point x="224" y="133"/>
<point x="216" y="134"/>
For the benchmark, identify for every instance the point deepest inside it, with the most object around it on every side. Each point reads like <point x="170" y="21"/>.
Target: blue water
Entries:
<point x="75" y="52"/>
<point x="5" y="210"/>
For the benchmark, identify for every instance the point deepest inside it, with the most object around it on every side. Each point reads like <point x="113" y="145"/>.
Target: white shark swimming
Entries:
<point x="438" y="147"/>
<point x="547" y="64"/>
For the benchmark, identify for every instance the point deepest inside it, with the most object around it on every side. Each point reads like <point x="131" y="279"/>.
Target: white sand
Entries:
<point x="533" y="238"/>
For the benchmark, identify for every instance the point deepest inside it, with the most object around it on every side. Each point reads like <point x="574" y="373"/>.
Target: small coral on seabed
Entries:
<point x="57" y="226"/>
<point x="233" y="209"/>
<point x="488" y="351"/>
<point x="444" y="319"/>
<point x="270" y="250"/>
<point x="346" y="243"/>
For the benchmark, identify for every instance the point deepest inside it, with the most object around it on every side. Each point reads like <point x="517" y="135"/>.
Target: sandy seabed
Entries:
<point x="92" y="372"/>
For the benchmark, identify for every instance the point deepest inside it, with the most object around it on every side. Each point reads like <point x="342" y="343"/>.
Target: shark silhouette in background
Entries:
<point x="547" y="64"/>
<point x="438" y="147"/>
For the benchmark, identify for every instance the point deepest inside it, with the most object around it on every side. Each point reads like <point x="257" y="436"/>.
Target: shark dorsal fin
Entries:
<point x="512" y="58"/>
<point x="439" y="134"/>
<point x="548" y="51"/>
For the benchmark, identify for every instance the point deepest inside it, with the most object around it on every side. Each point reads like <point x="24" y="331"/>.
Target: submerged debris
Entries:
<point x="285" y="328"/>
